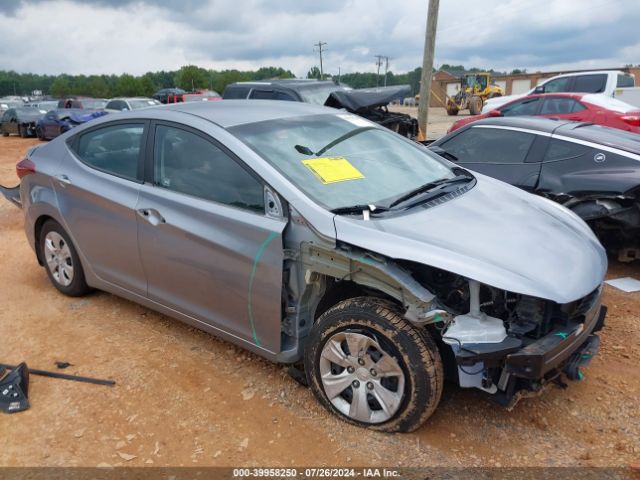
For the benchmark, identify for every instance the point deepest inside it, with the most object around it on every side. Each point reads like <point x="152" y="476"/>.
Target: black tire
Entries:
<point x="475" y="105"/>
<point x="21" y="132"/>
<point x="414" y="351"/>
<point x="77" y="286"/>
<point x="452" y="109"/>
<point x="39" y="133"/>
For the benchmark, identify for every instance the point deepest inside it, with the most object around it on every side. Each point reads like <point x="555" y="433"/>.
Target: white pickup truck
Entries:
<point x="614" y="83"/>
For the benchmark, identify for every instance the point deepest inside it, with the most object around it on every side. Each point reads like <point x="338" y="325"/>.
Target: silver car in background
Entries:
<point x="316" y="238"/>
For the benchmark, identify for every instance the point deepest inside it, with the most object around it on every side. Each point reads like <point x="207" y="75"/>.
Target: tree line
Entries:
<point x="189" y="77"/>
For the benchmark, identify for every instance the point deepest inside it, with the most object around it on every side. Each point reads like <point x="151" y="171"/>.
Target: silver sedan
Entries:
<point x="313" y="237"/>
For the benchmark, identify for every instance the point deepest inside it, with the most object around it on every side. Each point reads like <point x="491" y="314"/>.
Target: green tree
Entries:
<point x="147" y="86"/>
<point x="98" y="87"/>
<point x="60" y="87"/>
<point x="127" y="86"/>
<point x="190" y="77"/>
<point x="314" y="72"/>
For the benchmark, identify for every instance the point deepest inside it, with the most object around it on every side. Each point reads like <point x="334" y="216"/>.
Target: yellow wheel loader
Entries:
<point x="475" y="88"/>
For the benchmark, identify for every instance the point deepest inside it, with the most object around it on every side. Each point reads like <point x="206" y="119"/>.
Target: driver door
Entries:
<point x="208" y="248"/>
<point x="508" y="155"/>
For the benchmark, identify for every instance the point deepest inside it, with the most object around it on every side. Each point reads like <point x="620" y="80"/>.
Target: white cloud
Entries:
<point x="135" y="36"/>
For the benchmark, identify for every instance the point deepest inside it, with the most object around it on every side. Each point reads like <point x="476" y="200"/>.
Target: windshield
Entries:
<point x="93" y="104"/>
<point x="355" y="162"/>
<point x="318" y="94"/>
<point x="136" y="104"/>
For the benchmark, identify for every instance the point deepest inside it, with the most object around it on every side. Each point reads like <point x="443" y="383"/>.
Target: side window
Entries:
<point x="523" y="107"/>
<point x="560" y="106"/>
<point x="590" y="83"/>
<point x="625" y="81"/>
<point x="557" y="85"/>
<point x="490" y="145"/>
<point x="187" y="163"/>
<point x="277" y="95"/>
<point x="262" y="95"/>
<point x="562" y="150"/>
<point x="114" y="149"/>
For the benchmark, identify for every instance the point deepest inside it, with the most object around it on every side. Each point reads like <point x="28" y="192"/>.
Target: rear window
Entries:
<point x="234" y="93"/>
<point x="625" y="81"/>
<point x="590" y="83"/>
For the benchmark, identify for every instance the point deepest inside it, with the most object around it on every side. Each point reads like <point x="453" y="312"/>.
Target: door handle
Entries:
<point x="63" y="180"/>
<point x="152" y="216"/>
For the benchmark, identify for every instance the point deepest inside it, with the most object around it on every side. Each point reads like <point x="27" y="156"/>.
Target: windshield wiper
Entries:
<point x="359" y="209"/>
<point x="431" y="186"/>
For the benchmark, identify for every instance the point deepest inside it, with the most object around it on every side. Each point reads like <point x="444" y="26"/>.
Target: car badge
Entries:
<point x="599" y="157"/>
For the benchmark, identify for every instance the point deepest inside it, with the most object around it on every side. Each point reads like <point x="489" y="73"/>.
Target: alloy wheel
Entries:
<point x="360" y="378"/>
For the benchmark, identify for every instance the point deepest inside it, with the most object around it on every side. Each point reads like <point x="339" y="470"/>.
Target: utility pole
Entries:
<point x="386" y="69"/>
<point x="320" y="44"/>
<point x="427" y="68"/>
<point x="379" y="64"/>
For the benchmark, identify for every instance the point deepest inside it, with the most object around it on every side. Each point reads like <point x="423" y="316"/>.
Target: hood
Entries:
<point x="365" y="98"/>
<point x="495" y="234"/>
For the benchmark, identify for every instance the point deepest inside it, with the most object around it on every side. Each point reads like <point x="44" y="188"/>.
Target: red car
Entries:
<point x="581" y="107"/>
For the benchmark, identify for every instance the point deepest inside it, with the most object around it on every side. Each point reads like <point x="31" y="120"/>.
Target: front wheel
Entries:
<point x="366" y="364"/>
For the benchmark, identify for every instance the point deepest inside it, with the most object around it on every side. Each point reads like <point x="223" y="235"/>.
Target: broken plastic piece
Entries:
<point x="14" y="389"/>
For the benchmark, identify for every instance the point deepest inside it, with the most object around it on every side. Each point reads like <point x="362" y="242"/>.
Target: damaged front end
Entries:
<point x="372" y="104"/>
<point x="507" y="344"/>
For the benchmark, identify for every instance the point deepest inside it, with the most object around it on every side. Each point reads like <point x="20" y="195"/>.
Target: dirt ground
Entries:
<point x="186" y="398"/>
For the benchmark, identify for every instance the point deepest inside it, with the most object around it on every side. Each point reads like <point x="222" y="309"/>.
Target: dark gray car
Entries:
<point x="312" y="236"/>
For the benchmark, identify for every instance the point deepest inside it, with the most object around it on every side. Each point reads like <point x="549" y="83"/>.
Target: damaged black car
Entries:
<point x="369" y="103"/>
<point x="592" y="170"/>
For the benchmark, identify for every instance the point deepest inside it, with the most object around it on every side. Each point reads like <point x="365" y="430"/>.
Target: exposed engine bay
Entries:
<point x="507" y="344"/>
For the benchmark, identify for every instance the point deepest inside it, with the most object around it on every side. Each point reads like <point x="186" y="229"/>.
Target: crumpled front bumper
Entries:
<point x="560" y="348"/>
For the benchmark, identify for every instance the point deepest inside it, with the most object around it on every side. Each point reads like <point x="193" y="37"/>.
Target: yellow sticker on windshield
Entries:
<point x="332" y="169"/>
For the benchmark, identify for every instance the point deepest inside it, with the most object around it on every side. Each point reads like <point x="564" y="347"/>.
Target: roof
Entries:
<point x="229" y="113"/>
<point x="584" y="131"/>
<point x="289" y="83"/>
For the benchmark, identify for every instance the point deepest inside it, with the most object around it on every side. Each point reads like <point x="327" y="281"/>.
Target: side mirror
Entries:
<point x="495" y="113"/>
<point x="539" y="89"/>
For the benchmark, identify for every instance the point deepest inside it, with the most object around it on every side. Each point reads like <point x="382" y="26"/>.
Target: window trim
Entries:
<point x="149" y="163"/>
<point x="74" y="142"/>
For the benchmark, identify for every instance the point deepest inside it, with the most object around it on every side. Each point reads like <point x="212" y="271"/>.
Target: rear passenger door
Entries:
<point x="97" y="195"/>
<point x="510" y="155"/>
<point x="210" y="250"/>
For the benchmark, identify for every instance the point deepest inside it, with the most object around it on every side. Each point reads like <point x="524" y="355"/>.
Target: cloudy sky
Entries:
<point x="135" y="36"/>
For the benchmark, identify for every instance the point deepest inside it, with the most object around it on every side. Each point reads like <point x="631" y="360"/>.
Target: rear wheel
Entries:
<point x="366" y="364"/>
<point x="39" y="133"/>
<point x="21" y="131"/>
<point x="61" y="260"/>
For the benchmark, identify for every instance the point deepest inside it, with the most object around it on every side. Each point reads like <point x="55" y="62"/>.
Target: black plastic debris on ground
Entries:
<point x="14" y="389"/>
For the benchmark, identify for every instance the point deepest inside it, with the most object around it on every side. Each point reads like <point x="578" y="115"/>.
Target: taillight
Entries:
<point x="25" y="167"/>
<point x="633" y="120"/>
